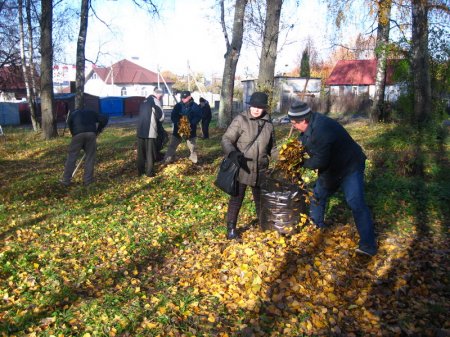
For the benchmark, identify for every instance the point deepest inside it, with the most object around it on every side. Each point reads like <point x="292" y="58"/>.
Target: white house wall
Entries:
<point x="98" y="88"/>
<point x="297" y="85"/>
<point x="392" y="92"/>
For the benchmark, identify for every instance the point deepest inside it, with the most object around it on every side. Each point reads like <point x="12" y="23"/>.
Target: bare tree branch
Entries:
<point x="222" y="22"/>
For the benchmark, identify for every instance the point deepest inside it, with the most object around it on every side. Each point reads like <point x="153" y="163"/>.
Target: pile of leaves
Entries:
<point x="291" y="157"/>
<point x="184" y="128"/>
<point x="133" y="256"/>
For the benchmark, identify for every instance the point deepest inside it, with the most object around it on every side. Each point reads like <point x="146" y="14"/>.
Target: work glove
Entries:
<point x="236" y="157"/>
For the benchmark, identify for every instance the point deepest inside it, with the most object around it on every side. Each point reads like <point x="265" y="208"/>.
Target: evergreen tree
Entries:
<point x="305" y="70"/>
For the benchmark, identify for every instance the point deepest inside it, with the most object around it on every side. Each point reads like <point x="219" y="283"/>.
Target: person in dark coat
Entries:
<point x="206" y="117"/>
<point x="235" y="141"/>
<point x="84" y="125"/>
<point x="187" y="107"/>
<point x="340" y="162"/>
<point x="150" y="114"/>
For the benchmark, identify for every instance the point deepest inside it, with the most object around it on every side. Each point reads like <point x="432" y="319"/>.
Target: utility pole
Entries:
<point x="157" y="67"/>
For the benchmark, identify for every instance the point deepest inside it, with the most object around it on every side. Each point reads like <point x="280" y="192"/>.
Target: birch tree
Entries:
<point x="81" y="59"/>
<point x="33" y="71"/>
<point x="378" y="112"/>
<point x="233" y="50"/>
<point x="27" y="61"/>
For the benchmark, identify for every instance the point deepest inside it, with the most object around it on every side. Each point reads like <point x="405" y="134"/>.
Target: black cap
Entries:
<point x="185" y="93"/>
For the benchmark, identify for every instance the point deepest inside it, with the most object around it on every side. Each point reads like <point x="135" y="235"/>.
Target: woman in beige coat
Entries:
<point x="250" y="154"/>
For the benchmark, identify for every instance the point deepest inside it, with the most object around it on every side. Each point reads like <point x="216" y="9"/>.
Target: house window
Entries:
<point x="355" y="91"/>
<point x="144" y="92"/>
<point x="363" y="90"/>
<point x="123" y="91"/>
<point x="94" y="76"/>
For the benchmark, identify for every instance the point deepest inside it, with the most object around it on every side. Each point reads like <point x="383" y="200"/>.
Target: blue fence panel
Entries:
<point x="112" y="106"/>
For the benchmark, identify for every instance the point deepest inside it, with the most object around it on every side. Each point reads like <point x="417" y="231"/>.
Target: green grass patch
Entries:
<point x="109" y="259"/>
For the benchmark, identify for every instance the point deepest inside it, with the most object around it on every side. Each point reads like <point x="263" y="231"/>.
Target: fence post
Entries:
<point x="2" y="134"/>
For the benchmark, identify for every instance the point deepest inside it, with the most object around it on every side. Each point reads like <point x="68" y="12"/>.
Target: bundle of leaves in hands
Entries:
<point x="184" y="128"/>
<point x="291" y="159"/>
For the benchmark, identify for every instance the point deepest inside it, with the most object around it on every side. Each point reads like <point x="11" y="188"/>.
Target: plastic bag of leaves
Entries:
<point x="282" y="202"/>
<point x="184" y="128"/>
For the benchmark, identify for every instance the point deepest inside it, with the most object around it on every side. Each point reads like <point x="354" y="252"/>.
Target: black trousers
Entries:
<point x="205" y="128"/>
<point x="146" y="156"/>
<point x="235" y="203"/>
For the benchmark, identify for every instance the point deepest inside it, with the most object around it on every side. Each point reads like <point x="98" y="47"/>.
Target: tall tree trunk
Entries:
<point x="81" y="60"/>
<point x="32" y="67"/>
<point x="231" y="59"/>
<point x="26" y="71"/>
<point x="25" y="68"/>
<point x="378" y="111"/>
<point x="420" y="61"/>
<point x="269" y="47"/>
<point x="48" y="116"/>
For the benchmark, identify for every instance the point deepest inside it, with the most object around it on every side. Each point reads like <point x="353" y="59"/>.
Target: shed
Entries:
<point x="92" y="102"/>
<point x="24" y="113"/>
<point x="9" y="114"/>
<point x="112" y="106"/>
<point x="131" y="105"/>
<point x="62" y="104"/>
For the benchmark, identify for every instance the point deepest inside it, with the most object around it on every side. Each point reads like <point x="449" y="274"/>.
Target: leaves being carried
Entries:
<point x="184" y="128"/>
<point x="291" y="159"/>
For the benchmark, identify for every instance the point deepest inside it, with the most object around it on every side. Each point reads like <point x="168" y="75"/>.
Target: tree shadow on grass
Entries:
<point x="412" y="292"/>
<point x="401" y="291"/>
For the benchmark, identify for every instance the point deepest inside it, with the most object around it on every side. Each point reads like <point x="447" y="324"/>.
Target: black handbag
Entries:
<point x="227" y="177"/>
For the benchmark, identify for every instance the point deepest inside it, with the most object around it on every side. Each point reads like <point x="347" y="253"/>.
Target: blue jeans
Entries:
<point x="353" y="187"/>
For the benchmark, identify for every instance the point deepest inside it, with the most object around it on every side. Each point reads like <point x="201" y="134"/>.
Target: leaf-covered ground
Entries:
<point x="132" y="256"/>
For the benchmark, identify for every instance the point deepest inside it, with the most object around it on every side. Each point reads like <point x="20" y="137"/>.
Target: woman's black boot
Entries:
<point x="231" y="231"/>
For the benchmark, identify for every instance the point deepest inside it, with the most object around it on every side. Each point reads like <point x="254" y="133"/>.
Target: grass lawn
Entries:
<point x="131" y="256"/>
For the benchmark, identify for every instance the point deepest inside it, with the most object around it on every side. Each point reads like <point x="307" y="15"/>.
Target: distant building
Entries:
<point x="286" y="87"/>
<point x="12" y="84"/>
<point x="357" y="77"/>
<point x="124" y="78"/>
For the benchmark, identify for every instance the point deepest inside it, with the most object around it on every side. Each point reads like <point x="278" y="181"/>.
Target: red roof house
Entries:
<point x="123" y="78"/>
<point x="12" y="82"/>
<point x="358" y="77"/>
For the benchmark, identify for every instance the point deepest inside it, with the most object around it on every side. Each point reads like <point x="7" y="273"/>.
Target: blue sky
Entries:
<point x="189" y="31"/>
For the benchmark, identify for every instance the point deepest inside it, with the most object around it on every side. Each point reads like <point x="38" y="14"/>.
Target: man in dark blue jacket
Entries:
<point x="84" y="125"/>
<point x="187" y="107"/>
<point x="150" y="115"/>
<point x="340" y="162"/>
